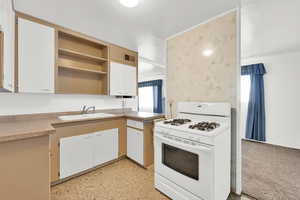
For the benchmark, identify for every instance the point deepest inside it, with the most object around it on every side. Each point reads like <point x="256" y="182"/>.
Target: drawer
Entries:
<point x="135" y="124"/>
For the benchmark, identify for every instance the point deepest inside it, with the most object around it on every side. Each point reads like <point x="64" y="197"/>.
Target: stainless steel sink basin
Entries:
<point x="84" y="116"/>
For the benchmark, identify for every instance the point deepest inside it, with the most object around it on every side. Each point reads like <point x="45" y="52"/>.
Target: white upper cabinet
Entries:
<point x="36" y="57"/>
<point x="116" y="87"/>
<point x="130" y="80"/>
<point x="123" y="80"/>
<point x="7" y="26"/>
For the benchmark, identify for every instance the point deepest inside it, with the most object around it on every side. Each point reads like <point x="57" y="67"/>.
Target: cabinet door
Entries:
<point x="105" y="146"/>
<point x="75" y="155"/>
<point x="36" y="57"/>
<point x="116" y="78"/>
<point x="129" y="80"/>
<point x="123" y="80"/>
<point x="7" y="22"/>
<point x="135" y="145"/>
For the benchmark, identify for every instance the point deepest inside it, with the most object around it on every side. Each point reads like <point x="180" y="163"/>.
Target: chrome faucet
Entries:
<point x="86" y="109"/>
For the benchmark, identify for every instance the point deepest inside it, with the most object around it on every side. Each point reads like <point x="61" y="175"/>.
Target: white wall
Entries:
<point x="282" y="98"/>
<point x="269" y="26"/>
<point x="12" y="104"/>
<point x="152" y="49"/>
<point x="150" y="71"/>
<point x="156" y="77"/>
<point x="270" y="34"/>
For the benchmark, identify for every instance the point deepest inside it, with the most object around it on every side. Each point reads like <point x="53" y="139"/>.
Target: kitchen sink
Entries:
<point x="84" y="116"/>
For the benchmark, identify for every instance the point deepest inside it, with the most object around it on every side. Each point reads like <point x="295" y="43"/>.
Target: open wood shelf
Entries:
<point x="82" y="69"/>
<point x="82" y="46"/>
<point x="78" y="82"/>
<point x="82" y="39"/>
<point x="82" y="65"/>
<point x="72" y="53"/>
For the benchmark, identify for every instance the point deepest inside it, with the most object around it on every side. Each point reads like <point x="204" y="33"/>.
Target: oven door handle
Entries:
<point x="202" y="148"/>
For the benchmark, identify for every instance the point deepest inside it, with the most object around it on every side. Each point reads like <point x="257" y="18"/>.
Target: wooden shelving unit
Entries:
<point x="72" y="53"/>
<point x="82" y="69"/>
<point x="124" y="56"/>
<point x="82" y="64"/>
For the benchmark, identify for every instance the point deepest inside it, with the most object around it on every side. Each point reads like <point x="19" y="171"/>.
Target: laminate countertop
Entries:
<point x="28" y="126"/>
<point x="143" y="116"/>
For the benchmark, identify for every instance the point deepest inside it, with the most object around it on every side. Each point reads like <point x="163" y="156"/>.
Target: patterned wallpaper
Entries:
<point x="191" y="76"/>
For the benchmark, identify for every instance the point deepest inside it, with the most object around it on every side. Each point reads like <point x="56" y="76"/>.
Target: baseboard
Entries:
<point x="87" y="171"/>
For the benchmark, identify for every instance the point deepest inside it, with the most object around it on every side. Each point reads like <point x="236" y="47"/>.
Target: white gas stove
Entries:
<point x="192" y="152"/>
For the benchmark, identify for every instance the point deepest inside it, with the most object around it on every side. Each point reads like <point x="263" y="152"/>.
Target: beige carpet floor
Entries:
<point x="270" y="172"/>
<point x="123" y="180"/>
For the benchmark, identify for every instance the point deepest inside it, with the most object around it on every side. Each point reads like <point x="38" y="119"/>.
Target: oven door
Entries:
<point x="190" y="166"/>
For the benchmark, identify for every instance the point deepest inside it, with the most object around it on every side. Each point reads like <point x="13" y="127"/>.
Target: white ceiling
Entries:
<point x="143" y="28"/>
<point x="269" y="27"/>
<point x="162" y="18"/>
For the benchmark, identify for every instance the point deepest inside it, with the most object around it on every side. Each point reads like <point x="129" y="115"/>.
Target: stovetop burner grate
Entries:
<point x="205" y="126"/>
<point x="177" y="122"/>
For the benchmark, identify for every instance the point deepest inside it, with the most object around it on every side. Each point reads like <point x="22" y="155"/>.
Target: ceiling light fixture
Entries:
<point x="129" y="3"/>
<point x="207" y="52"/>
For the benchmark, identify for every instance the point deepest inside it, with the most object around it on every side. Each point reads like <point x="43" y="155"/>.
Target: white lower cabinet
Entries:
<point x="135" y="145"/>
<point x="75" y="155"/>
<point x="79" y="153"/>
<point x="105" y="146"/>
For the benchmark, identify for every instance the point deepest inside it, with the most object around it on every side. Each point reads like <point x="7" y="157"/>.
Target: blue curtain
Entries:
<point x="255" y="125"/>
<point x="157" y="94"/>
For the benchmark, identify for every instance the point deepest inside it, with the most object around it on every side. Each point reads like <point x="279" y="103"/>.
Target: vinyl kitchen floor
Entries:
<point x="123" y="180"/>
